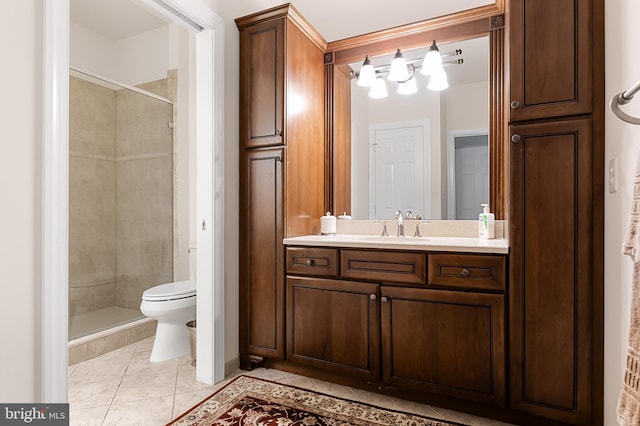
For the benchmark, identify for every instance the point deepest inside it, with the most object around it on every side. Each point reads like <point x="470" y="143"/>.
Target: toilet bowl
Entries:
<point x="172" y="305"/>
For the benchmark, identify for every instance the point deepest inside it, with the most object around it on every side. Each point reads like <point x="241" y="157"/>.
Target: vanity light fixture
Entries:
<point x="404" y="72"/>
<point x="367" y="74"/>
<point x="398" y="71"/>
<point x="378" y="89"/>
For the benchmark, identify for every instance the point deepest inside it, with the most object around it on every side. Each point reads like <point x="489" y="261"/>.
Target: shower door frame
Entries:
<point x="209" y="48"/>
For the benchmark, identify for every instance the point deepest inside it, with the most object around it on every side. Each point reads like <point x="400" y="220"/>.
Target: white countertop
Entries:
<point x="458" y="244"/>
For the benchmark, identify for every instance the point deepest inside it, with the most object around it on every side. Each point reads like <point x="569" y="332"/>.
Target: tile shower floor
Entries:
<point x="124" y="388"/>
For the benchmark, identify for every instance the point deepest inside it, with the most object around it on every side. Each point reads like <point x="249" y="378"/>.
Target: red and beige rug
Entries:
<point x="247" y="401"/>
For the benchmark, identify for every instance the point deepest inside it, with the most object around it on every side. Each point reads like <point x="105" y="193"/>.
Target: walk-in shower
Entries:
<point x="120" y="198"/>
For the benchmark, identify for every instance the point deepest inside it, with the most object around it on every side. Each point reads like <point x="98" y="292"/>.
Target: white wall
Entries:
<point x="467" y="107"/>
<point x="20" y="186"/>
<point x="90" y="51"/>
<point x="622" y="143"/>
<point x="134" y="60"/>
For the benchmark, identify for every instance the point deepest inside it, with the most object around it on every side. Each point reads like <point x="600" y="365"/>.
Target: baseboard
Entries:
<point x="231" y="366"/>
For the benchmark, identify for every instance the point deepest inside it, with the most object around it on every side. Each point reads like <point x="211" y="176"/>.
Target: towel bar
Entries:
<point x="622" y="99"/>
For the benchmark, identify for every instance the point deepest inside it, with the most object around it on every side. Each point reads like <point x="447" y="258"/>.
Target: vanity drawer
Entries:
<point x="312" y="261"/>
<point x="383" y="266"/>
<point x="467" y="271"/>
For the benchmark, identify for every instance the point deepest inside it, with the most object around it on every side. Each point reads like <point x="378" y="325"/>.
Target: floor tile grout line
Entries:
<point x="355" y="396"/>
<point x="124" y="372"/>
<point x="175" y="391"/>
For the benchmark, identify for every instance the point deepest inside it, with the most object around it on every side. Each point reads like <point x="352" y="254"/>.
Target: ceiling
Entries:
<point x="339" y="19"/>
<point x="334" y="19"/>
<point x="115" y="19"/>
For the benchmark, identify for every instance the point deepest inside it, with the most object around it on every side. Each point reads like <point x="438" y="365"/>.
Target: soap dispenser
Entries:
<point x="486" y="223"/>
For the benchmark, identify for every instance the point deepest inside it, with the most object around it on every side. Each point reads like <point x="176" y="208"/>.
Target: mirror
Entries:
<point x="425" y="152"/>
<point x="437" y="131"/>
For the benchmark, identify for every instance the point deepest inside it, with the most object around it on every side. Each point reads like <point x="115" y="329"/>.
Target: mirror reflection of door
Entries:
<point x="471" y="175"/>
<point x="399" y="166"/>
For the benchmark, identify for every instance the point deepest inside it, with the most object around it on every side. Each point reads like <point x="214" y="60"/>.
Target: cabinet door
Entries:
<point x="551" y="280"/>
<point x="334" y="325"/>
<point x="262" y="254"/>
<point x="550" y="58"/>
<point x="262" y="84"/>
<point x="446" y="342"/>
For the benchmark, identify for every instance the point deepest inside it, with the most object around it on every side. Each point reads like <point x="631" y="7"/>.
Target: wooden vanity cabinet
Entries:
<point x="334" y="325"/>
<point x="262" y="296"/>
<point x="550" y="58"/>
<point x="556" y="209"/>
<point x="262" y="83"/>
<point x="551" y="260"/>
<point x="376" y="320"/>
<point x="479" y="272"/>
<point x="281" y="165"/>
<point x="445" y="342"/>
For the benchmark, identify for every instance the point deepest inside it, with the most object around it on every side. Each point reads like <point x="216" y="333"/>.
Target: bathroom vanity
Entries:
<point x="512" y="332"/>
<point x="407" y="317"/>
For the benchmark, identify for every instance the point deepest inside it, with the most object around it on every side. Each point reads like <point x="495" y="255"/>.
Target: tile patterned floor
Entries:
<point x="124" y="388"/>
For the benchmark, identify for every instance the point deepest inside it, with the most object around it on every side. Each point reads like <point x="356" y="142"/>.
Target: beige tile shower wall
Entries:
<point x="92" y="197"/>
<point x="144" y="192"/>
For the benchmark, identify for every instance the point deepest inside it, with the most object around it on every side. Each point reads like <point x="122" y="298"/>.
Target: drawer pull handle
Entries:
<point x="464" y="272"/>
<point x="372" y="297"/>
<point x="309" y="262"/>
<point x="384" y="299"/>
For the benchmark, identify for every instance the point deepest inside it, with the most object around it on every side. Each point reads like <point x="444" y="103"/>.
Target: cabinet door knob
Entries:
<point x="372" y="297"/>
<point x="278" y="132"/>
<point x="515" y="138"/>
<point x="515" y="104"/>
<point x="384" y="299"/>
<point x="464" y="272"/>
<point x="309" y="262"/>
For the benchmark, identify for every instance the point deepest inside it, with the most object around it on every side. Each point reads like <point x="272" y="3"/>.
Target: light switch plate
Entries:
<point x="613" y="176"/>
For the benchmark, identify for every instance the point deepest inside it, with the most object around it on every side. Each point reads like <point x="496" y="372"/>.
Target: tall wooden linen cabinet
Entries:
<point x="555" y="218"/>
<point x="281" y="165"/>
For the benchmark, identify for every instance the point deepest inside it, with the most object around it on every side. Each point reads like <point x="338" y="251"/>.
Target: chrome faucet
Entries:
<point x="400" y="218"/>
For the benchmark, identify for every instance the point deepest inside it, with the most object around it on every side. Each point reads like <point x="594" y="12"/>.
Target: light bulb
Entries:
<point x="438" y="80"/>
<point x="432" y="60"/>
<point x="398" y="70"/>
<point x="379" y="89"/>
<point x="367" y="73"/>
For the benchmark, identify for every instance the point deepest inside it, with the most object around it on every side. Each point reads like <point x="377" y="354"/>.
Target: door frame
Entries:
<point x="451" y="164"/>
<point x="209" y="64"/>
<point x="426" y="160"/>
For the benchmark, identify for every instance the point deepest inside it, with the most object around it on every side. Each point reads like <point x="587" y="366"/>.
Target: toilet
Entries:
<point x="173" y="305"/>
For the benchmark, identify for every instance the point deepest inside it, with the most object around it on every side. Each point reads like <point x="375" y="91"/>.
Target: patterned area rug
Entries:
<point x="247" y="401"/>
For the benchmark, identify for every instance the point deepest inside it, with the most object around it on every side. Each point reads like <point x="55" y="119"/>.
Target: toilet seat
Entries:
<point x="170" y="291"/>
